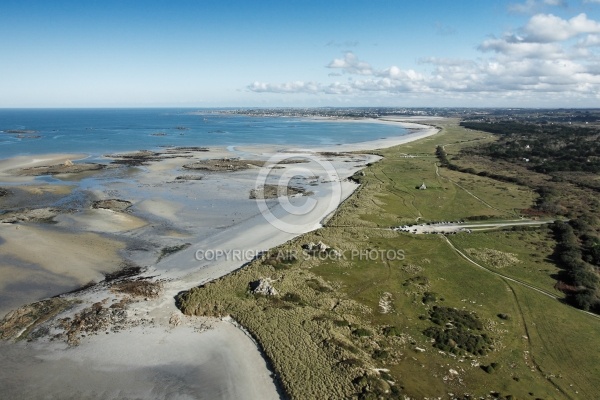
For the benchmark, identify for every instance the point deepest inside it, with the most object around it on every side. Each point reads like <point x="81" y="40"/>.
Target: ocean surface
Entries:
<point x="101" y="131"/>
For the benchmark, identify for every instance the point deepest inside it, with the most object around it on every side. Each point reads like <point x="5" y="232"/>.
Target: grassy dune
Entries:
<point x="354" y="326"/>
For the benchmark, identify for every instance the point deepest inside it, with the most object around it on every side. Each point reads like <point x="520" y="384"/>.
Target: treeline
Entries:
<point x="544" y="148"/>
<point x="578" y="254"/>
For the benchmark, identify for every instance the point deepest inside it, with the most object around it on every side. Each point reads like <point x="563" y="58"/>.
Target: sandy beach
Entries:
<point x="148" y="349"/>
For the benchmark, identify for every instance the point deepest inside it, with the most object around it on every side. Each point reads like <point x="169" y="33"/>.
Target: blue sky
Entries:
<point x="530" y="53"/>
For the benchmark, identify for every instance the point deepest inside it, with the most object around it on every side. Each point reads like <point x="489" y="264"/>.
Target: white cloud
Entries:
<point x="590" y="41"/>
<point x="396" y="73"/>
<point x="351" y="64"/>
<point x="552" y="57"/>
<point x="517" y="47"/>
<point x="546" y="28"/>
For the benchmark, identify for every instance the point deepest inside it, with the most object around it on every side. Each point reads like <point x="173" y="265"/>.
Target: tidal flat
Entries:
<point x="85" y="244"/>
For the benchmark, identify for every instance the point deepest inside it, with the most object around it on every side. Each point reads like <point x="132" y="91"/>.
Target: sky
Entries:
<point x="201" y="53"/>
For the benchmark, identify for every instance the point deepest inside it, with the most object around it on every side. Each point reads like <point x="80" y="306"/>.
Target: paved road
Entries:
<point x="453" y="227"/>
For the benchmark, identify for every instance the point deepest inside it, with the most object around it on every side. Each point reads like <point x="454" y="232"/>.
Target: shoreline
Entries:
<point x="181" y="271"/>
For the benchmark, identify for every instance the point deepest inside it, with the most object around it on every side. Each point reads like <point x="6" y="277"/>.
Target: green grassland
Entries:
<point x="532" y="247"/>
<point x="353" y="325"/>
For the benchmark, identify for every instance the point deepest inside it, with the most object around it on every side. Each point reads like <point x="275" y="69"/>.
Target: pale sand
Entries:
<point x="387" y="142"/>
<point x="101" y="220"/>
<point x="160" y="208"/>
<point x="92" y="253"/>
<point x="47" y="188"/>
<point x="42" y="259"/>
<point x="27" y="162"/>
<point x="146" y="363"/>
<point x="218" y="363"/>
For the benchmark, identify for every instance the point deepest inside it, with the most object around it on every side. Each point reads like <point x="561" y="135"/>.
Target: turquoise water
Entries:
<point x="101" y="131"/>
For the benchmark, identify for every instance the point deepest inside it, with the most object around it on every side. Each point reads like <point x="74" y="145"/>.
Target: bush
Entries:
<point x="459" y="318"/>
<point x="452" y="340"/>
<point x="584" y="300"/>
<point x="362" y="332"/>
<point x="380" y="354"/>
<point x="488" y="368"/>
<point x="391" y="331"/>
<point x="463" y="334"/>
<point x="429" y="297"/>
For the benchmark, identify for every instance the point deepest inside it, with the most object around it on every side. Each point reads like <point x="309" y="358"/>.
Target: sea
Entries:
<point x="101" y="131"/>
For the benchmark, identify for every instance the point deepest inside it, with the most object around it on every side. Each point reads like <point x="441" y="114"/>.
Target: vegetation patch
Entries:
<point x="495" y="258"/>
<point x="167" y="251"/>
<point x="460" y="330"/>
<point x="280" y="260"/>
<point x="139" y="288"/>
<point x="578" y="253"/>
<point x="362" y="332"/>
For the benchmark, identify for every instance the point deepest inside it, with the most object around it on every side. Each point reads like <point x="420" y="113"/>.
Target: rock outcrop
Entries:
<point x="65" y="168"/>
<point x="263" y="286"/>
<point x="224" y="164"/>
<point x="112" y="204"/>
<point x="45" y="214"/>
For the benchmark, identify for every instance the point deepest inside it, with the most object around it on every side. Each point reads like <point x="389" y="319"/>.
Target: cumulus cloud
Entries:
<point x="589" y="41"/>
<point x="517" y="47"/>
<point x="351" y="65"/>
<point x="551" y="55"/>
<point x="546" y="28"/>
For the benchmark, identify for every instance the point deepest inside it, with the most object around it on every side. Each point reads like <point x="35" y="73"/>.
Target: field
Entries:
<point x="384" y="314"/>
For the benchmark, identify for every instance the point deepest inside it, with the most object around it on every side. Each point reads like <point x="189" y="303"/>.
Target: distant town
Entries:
<point x="561" y="115"/>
